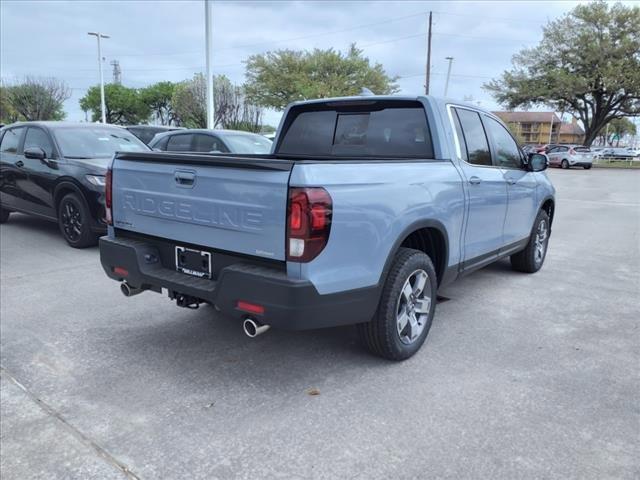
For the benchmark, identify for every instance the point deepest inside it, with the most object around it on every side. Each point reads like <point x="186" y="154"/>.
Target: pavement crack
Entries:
<point x="83" y="438"/>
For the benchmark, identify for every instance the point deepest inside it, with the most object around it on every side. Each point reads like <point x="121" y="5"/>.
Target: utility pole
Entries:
<point x="117" y="72"/>
<point x="207" y="30"/>
<point x="428" y="72"/>
<point x="103" y="107"/>
<point x="446" y="85"/>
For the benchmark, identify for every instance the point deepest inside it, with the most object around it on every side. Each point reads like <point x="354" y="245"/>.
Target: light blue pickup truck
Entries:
<point x="364" y="208"/>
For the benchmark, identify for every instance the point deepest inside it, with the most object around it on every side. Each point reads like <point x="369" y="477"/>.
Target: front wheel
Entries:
<point x="564" y="164"/>
<point x="530" y="259"/>
<point x="586" y="167"/>
<point x="406" y="309"/>
<point x="75" y="221"/>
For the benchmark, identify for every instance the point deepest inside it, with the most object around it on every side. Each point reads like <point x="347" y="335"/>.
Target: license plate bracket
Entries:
<point x="193" y="262"/>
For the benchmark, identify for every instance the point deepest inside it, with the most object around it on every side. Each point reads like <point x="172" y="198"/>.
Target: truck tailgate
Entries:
<point x="235" y="204"/>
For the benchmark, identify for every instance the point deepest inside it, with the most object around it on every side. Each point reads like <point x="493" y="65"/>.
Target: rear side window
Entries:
<point x="398" y="131"/>
<point x="179" y="143"/>
<point x="11" y="140"/>
<point x="474" y="137"/>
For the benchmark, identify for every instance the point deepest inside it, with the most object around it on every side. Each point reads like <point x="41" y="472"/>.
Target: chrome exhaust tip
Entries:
<point x="129" y="291"/>
<point x="252" y="328"/>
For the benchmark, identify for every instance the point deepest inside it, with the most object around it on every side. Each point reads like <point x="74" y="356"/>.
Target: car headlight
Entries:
<point x="97" y="180"/>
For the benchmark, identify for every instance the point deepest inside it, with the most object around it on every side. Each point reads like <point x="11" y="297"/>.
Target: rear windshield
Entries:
<point x="247" y="143"/>
<point x="385" y="130"/>
<point x="582" y="149"/>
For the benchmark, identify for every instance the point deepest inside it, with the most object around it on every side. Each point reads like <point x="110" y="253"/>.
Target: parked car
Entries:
<point x="567" y="156"/>
<point x="147" y="132"/>
<point x="617" y="153"/>
<point x="367" y="206"/>
<point x="56" y="171"/>
<point x="211" y="141"/>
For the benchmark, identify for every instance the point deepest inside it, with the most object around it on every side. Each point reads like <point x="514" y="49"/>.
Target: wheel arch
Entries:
<point x="428" y="236"/>
<point x="549" y="206"/>
<point x="63" y="188"/>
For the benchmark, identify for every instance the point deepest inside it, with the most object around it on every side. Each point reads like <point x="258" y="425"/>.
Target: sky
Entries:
<point x="164" y="40"/>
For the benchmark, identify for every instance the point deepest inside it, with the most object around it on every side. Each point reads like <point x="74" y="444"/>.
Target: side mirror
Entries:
<point x="537" y="162"/>
<point x="35" y="152"/>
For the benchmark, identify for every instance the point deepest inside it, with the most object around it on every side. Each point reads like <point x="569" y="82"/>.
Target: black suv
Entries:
<point x="56" y="170"/>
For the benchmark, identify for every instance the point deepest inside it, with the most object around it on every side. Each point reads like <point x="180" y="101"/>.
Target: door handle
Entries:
<point x="475" y="180"/>
<point x="19" y="164"/>
<point x="185" y="179"/>
<point x="510" y="181"/>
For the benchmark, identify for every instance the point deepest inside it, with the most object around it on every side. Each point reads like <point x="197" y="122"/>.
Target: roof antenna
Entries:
<point x="365" y="92"/>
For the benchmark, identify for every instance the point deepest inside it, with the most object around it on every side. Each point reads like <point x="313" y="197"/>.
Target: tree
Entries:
<point x="124" y="106"/>
<point x="275" y="79"/>
<point x="36" y="99"/>
<point x="158" y="98"/>
<point x="587" y="64"/>
<point x="616" y="129"/>
<point x="232" y="109"/>
<point x="7" y="113"/>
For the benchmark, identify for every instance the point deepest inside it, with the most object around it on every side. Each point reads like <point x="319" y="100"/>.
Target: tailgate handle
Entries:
<point x="185" y="179"/>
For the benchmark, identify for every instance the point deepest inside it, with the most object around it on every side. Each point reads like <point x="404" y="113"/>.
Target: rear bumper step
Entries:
<point x="289" y="304"/>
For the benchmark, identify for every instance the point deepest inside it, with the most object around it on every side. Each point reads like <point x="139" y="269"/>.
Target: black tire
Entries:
<point x="564" y="164"/>
<point x="381" y="336"/>
<point x="587" y="167"/>
<point x="74" y="221"/>
<point x="531" y="259"/>
<point x="4" y="215"/>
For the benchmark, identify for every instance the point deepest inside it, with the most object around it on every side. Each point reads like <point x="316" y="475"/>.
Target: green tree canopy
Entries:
<point x="8" y="114"/>
<point x="232" y="109"/>
<point x="588" y="64"/>
<point x="158" y="98"/>
<point x="124" y="106"/>
<point x="35" y="99"/>
<point x="275" y="79"/>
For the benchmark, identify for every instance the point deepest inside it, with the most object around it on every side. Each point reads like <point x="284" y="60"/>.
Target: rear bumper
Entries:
<point x="289" y="304"/>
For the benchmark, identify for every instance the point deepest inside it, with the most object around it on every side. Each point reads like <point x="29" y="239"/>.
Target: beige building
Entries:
<point x="540" y="128"/>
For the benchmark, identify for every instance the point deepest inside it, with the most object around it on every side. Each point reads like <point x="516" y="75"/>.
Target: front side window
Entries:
<point x="36" y="137"/>
<point x="507" y="153"/>
<point x="474" y="137"/>
<point x="208" y="144"/>
<point x="96" y="141"/>
<point x="179" y="143"/>
<point x="11" y="140"/>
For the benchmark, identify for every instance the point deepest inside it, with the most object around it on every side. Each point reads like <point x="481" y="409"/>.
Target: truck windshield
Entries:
<point x="96" y="142"/>
<point x="390" y="130"/>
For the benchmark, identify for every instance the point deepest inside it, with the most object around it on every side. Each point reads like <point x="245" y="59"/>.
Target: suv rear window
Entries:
<point x="358" y="129"/>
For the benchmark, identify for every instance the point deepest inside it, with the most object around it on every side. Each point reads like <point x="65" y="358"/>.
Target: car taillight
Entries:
<point x="107" y="195"/>
<point x="308" y="222"/>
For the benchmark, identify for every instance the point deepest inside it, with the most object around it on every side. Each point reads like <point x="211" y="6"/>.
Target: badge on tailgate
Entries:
<point x="193" y="262"/>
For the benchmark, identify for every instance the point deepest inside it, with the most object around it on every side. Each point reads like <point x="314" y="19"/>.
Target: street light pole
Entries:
<point x="446" y="85"/>
<point x="207" y="30"/>
<point x="103" y="107"/>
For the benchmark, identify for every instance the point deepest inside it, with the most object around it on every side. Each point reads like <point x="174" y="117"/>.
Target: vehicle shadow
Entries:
<point x="27" y="224"/>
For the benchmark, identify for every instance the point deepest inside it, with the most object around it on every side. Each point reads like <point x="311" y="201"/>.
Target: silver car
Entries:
<point x="567" y="156"/>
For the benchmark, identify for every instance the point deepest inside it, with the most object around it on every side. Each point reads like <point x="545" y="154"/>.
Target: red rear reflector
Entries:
<point x="249" y="307"/>
<point x="108" y="195"/>
<point x="123" y="272"/>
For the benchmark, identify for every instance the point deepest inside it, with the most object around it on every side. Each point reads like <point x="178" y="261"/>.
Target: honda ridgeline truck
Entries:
<point x="364" y="208"/>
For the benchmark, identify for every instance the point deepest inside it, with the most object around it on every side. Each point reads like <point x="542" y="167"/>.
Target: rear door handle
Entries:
<point x="475" y="180"/>
<point x="19" y="164"/>
<point x="510" y="181"/>
<point x="185" y="179"/>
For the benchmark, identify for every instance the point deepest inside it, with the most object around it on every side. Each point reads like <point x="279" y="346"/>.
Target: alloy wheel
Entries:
<point x="413" y="306"/>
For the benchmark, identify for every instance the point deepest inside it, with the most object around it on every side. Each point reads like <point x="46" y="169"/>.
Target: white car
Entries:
<point x="567" y="156"/>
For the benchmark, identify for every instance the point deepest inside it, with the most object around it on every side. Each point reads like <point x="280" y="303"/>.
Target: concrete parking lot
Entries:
<point x="522" y="376"/>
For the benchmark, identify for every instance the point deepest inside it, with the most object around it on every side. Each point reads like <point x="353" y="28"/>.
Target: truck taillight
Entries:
<point x="108" y="195"/>
<point x="308" y="222"/>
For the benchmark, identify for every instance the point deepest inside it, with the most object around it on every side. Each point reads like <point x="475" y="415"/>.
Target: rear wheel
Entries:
<point x="564" y="164"/>
<point x="75" y="221"/>
<point x="530" y="259"/>
<point x="4" y="215"/>
<point x="406" y="309"/>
